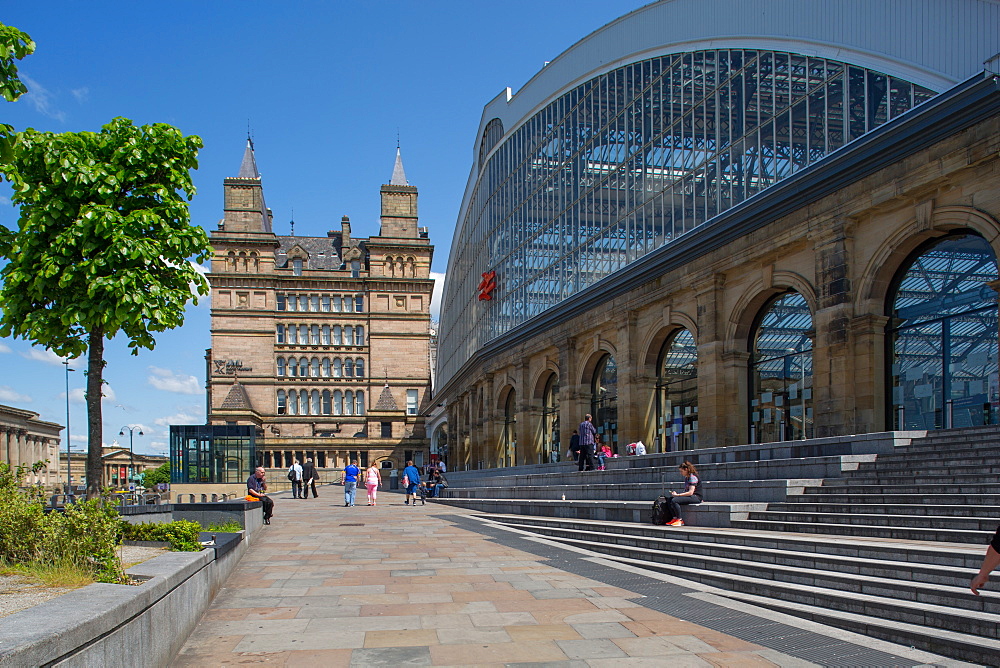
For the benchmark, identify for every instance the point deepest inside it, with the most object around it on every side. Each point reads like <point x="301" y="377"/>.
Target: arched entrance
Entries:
<point x="781" y="371"/>
<point x="604" y="401"/>
<point x="942" y="336"/>
<point x="550" y="421"/>
<point x="677" y="394"/>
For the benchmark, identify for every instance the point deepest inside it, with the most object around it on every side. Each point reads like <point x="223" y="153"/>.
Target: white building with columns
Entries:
<point x="25" y="440"/>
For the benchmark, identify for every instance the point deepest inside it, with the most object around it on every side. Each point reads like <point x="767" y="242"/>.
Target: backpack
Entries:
<point x="291" y="474"/>
<point x="661" y="511"/>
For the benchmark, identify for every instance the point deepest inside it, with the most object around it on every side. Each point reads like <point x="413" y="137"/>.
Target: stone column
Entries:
<point x="4" y="448"/>
<point x="632" y="386"/>
<point x="834" y="382"/>
<point x="528" y="416"/>
<point x="721" y="410"/>
<point x="22" y="447"/>
<point x="869" y="366"/>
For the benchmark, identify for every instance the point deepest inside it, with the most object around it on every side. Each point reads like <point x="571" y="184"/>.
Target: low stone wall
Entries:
<point x="247" y="513"/>
<point x="118" y="625"/>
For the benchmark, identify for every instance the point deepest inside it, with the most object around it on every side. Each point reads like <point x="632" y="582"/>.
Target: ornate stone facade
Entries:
<point x="309" y="332"/>
<point x="26" y="440"/>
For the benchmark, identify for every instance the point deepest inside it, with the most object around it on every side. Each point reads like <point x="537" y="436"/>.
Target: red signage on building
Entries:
<point x="487" y="286"/>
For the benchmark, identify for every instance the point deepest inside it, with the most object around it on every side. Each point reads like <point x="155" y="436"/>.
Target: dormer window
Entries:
<point x="355" y="268"/>
<point x="297" y="266"/>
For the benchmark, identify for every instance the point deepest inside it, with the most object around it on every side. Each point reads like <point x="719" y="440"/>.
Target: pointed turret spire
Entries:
<point x="248" y="168"/>
<point x="398" y="175"/>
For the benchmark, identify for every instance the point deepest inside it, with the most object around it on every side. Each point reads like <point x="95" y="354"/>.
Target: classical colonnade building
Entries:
<point x="26" y="440"/>
<point x="713" y="223"/>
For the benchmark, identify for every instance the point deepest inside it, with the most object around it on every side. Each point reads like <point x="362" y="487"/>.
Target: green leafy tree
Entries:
<point x="14" y="45"/>
<point x="152" y="477"/>
<point x="102" y="247"/>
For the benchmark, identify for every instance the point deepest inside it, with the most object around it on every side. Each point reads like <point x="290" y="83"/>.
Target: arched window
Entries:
<point x="303" y="367"/>
<point x="314" y="371"/>
<point x="359" y="336"/>
<point x="604" y="401"/>
<point x="303" y="334"/>
<point x="325" y="335"/>
<point x="359" y="368"/>
<point x="337" y="335"/>
<point x="314" y="396"/>
<point x="293" y="334"/>
<point x="303" y="402"/>
<point x="327" y="408"/>
<point x="359" y="403"/>
<point x="349" y="402"/>
<point x="281" y="366"/>
<point x="231" y="261"/>
<point x="326" y="367"/>
<point x="550" y="421"/>
<point x="282" y="403"/>
<point x="781" y="407"/>
<point x="348" y="335"/>
<point x="349" y="368"/>
<point x="508" y="438"/>
<point x="314" y="335"/>
<point x="677" y="395"/>
<point x="338" y="402"/>
<point x="293" y="368"/>
<point x="338" y="368"/>
<point x="293" y="403"/>
<point x="942" y="336"/>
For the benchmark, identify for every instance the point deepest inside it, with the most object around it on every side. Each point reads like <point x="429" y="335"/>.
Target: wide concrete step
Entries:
<point x="961" y="557"/>
<point x="831" y="487"/>
<point x="874" y="530"/>
<point x="883" y="568"/>
<point x="730" y="491"/>
<point x="869" y="497"/>
<point x="886" y="519"/>
<point x="927" y="480"/>
<point x="950" y="458"/>
<point x="976" y="650"/>
<point x="866" y="506"/>
<point x="922" y="468"/>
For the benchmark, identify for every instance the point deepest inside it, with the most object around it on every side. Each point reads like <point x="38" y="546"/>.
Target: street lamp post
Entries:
<point x="131" y="451"/>
<point x="69" y="461"/>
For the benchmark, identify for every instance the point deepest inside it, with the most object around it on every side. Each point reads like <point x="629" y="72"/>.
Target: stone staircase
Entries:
<point x="884" y="544"/>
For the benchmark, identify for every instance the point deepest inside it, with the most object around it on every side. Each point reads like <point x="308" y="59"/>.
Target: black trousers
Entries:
<point x="268" y="506"/>
<point x="297" y="489"/>
<point x="675" y="503"/>
<point x="586" y="459"/>
<point x="305" y="488"/>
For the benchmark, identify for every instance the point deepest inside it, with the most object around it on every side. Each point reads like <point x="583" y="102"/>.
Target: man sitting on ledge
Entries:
<point x="257" y="491"/>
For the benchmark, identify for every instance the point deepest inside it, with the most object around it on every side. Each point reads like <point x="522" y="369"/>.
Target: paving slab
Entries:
<point x="392" y="585"/>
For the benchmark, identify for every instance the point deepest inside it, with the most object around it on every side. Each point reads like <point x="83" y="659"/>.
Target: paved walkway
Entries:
<point x="393" y="585"/>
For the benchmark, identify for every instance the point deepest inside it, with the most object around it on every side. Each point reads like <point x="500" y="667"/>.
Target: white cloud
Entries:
<point x="436" y="295"/>
<point x="181" y="417"/>
<point x="169" y="381"/>
<point x="8" y="393"/>
<point x="41" y="99"/>
<point x="76" y="395"/>
<point x="42" y="355"/>
<point x="78" y="438"/>
<point x="5" y="349"/>
<point x="81" y="94"/>
<point x="4" y="200"/>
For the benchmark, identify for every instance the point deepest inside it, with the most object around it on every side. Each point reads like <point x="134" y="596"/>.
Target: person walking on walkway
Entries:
<point x="588" y="441"/>
<point x="257" y="491"/>
<point x="351" y="473"/>
<point x="373" y="478"/>
<point x="309" y="478"/>
<point x="411" y="478"/>
<point x="295" y="475"/>
<point x="692" y="493"/>
<point x="990" y="561"/>
<point x="574" y="446"/>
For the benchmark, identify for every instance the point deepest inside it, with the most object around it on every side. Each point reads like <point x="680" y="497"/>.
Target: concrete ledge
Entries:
<point x="701" y="515"/>
<point x="731" y="491"/>
<point x="109" y="625"/>
<point x="247" y="513"/>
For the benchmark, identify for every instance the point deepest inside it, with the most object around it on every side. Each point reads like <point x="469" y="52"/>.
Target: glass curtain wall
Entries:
<point x="212" y="453"/>
<point x="550" y="422"/>
<point x="604" y="404"/>
<point x="631" y="160"/>
<point x="508" y="444"/>
<point x="943" y="337"/>
<point x="781" y="407"/>
<point x="677" y="395"/>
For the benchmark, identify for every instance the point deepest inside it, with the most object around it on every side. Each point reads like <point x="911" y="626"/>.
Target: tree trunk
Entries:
<point x="95" y="422"/>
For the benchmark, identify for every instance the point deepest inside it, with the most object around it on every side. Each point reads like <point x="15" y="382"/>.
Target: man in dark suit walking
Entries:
<point x="309" y="478"/>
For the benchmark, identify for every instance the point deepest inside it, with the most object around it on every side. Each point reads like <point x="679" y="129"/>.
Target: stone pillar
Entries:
<point x="721" y="413"/>
<point x="569" y="390"/>
<point x="869" y="366"/>
<point x="528" y="416"/>
<point x="22" y="447"/>
<point x="736" y="430"/>
<point x="4" y="448"/>
<point x="834" y="383"/>
<point x="489" y="436"/>
<point x="632" y="386"/>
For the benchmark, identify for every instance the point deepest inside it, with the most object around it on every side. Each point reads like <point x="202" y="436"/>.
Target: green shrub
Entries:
<point x="85" y="536"/>
<point x="229" y="526"/>
<point x="181" y="534"/>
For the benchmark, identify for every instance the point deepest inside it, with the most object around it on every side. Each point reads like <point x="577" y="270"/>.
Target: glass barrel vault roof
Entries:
<point x="634" y="158"/>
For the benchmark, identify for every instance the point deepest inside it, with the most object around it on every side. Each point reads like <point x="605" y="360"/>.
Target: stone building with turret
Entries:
<point x="321" y="343"/>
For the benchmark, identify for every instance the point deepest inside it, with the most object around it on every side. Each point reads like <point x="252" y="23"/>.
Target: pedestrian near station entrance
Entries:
<point x="351" y="474"/>
<point x="411" y="479"/>
<point x="295" y="476"/>
<point x="588" y="441"/>
<point x="309" y="478"/>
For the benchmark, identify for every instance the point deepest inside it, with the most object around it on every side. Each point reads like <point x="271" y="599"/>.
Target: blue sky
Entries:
<point x="325" y="87"/>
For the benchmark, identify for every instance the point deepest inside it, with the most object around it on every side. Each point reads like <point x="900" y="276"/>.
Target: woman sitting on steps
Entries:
<point x="692" y="493"/>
